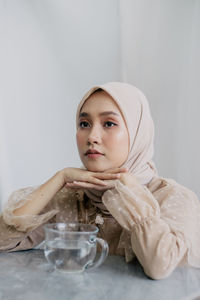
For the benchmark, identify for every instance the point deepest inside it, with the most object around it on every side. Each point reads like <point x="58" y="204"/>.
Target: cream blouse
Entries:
<point x="159" y="224"/>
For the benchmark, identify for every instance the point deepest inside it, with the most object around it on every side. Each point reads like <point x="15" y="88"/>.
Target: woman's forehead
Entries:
<point x="100" y="102"/>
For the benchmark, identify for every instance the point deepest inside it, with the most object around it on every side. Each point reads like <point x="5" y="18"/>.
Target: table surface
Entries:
<point x="26" y="275"/>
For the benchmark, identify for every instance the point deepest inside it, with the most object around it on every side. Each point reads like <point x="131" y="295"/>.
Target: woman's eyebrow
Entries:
<point x="104" y="113"/>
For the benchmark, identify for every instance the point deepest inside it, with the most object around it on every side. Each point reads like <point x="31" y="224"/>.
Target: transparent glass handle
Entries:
<point x="103" y="255"/>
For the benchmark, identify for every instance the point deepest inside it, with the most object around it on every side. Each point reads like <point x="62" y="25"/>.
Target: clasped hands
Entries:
<point x="82" y="179"/>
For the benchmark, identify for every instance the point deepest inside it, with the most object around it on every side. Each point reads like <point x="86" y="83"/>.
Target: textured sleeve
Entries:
<point x="27" y="222"/>
<point x="62" y="208"/>
<point x="13" y="240"/>
<point x="163" y="226"/>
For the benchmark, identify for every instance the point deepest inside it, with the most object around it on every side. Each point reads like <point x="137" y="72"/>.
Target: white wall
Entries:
<point x="160" y="55"/>
<point x="51" y="52"/>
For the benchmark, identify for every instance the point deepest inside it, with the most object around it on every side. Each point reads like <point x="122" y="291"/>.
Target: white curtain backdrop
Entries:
<point x="52" y="51"/>
<point x="160" y="48"/>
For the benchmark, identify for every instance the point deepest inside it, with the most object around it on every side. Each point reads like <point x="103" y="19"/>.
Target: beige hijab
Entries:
<point x="135" y="110"/>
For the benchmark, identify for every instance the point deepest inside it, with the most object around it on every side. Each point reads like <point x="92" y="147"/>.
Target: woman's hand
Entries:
<point x="129" y="180"/>
<point x="80" y="178"/>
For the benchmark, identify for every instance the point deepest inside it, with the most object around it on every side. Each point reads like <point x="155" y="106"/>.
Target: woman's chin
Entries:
<point x="96" y="169"/>
<point x="93" y="168"/>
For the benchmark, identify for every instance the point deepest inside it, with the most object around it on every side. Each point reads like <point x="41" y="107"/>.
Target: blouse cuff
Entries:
<point x="25" y="222"/>
<point x="130" y="206"/>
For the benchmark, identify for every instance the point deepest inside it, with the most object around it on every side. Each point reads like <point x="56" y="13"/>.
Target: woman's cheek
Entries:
<point x="120" y="140"/>
<point x="119" y="136"/>
<point x="80" y="140"/>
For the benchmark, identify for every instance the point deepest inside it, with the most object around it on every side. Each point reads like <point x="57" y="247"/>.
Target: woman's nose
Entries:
<point x="94" y="136"/>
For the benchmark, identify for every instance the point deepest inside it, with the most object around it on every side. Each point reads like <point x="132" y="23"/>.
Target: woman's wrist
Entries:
<point x="61" y="177"/>
<point x="41" y="196"/>
<point x="129" y="180"/>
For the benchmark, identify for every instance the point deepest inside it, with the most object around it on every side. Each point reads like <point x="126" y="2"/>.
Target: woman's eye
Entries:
<point x="83" y="124"/>
<point x="110" y="124"/>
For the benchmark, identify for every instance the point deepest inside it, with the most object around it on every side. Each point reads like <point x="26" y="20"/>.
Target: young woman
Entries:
<point x="138" y="213"/>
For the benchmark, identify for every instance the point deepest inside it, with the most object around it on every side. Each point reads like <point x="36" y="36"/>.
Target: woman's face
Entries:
<point x="102" y="136"/>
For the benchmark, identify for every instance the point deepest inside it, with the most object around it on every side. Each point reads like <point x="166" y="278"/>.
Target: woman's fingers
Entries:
<point x="116" y="170"/>
<point x="95" y="181"/>
<point x="81" y="184"/>
<point x="111" y="174"/>
<point x="105" y="176"/>
<point x="100" y="178"/>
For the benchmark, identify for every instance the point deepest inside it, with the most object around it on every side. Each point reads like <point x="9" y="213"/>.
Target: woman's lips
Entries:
<point x="94" y="155"/>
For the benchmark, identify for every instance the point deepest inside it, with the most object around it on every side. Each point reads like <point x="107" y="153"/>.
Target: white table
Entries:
<point x="25" y="275"/>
